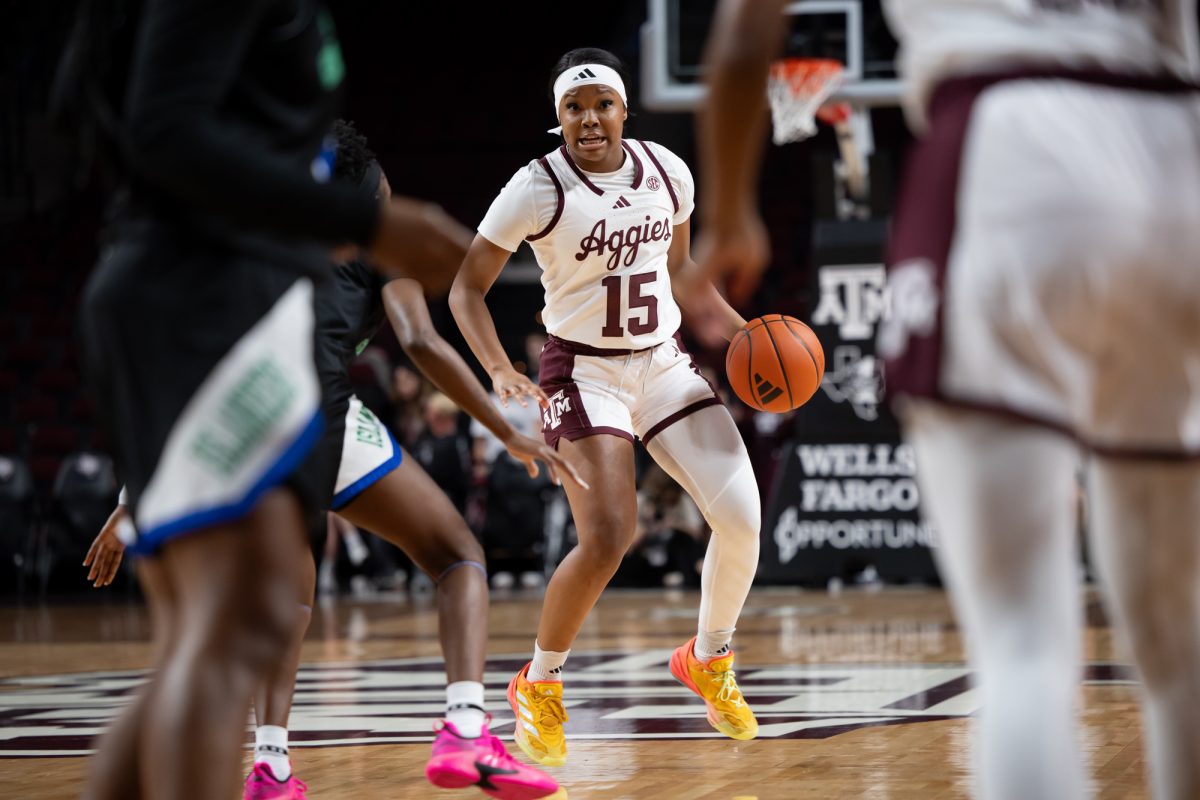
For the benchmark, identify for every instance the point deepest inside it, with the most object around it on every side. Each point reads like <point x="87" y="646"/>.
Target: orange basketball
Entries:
<point x="775" y="363"/>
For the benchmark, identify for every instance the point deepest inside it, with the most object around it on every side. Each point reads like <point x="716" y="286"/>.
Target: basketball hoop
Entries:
<point x="796" y="88"/>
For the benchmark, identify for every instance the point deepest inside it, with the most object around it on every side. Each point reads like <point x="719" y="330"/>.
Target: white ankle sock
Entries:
<point x="271" y="748"/>
<point x="710" y="644"/>
<point x="547" y="664"/>
<point x="465" y="709"/>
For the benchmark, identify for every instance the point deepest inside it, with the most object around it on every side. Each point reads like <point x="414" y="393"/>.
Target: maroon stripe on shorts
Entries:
<point x="923" y="230"/>
<point x="583" y="433"/>
<point x="580" y="349"/>
<point x="558" y="210"/>
<point x="1110" y="451"/>
<point x="695" y="367"/>
<point x="686" y="411"/>
<point x="1162" y="84"/>
<point x="663" y="172"/>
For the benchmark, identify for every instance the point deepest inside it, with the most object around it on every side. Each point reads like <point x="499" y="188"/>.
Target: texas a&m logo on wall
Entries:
<point x="854" y="299"/>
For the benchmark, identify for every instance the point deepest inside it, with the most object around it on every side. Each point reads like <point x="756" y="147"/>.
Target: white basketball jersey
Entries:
<point x="601" y="241"/>
<point x="944" y="38"/>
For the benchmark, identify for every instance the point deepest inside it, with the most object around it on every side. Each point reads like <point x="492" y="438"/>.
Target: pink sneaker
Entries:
<point x="458" y="762"/>
<point x="261" y="784"/>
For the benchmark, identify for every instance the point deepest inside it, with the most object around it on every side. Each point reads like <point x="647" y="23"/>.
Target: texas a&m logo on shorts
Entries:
<point x="559" y="404"/>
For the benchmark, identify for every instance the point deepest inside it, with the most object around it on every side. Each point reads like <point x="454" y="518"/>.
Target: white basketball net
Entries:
<point x="796" y="88"/>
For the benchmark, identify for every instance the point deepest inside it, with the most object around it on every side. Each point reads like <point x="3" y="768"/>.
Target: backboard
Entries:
<point x="851" y="31"/>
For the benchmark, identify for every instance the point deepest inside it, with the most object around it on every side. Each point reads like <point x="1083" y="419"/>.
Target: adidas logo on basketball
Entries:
<point x="766" y="390"/>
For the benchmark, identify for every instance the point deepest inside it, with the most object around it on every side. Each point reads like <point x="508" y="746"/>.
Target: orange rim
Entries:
<point x="804" y="74"/>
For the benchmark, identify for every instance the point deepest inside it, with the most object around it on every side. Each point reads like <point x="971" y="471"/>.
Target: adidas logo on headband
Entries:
<point x="588" y="74"/>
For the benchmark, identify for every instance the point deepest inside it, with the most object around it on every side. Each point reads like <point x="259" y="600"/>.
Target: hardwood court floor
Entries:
<point x="859" y="695"/>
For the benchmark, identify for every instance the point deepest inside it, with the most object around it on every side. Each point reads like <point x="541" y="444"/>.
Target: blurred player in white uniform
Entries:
<point x="608" y="220"/>
<point x="1045" y="288"/>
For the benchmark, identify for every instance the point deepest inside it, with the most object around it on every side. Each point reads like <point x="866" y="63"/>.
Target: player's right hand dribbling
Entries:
<point x="105" y="554"/>
<point x="419" y="240"/>
<point x="510" y="384"/>
<point x="735" y="251"/>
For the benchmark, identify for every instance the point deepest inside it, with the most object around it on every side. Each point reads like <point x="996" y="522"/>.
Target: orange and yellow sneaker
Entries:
<point x="715" y="682"/>
<point x="540" y="714"/>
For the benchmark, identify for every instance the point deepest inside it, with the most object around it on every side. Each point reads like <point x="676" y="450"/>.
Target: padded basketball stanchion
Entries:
<point x="852" y="176"/>
<point x="797" y="89"/>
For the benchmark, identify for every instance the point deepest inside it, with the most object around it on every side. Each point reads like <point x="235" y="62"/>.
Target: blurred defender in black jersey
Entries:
<point x="365" y="476"/>
<point x="199" y="340"/>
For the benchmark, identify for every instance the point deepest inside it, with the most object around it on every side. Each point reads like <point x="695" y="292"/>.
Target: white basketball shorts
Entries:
<point x="1066" y="288"/>
<point x="626" y="393"/>
<point x="368" y="453"/>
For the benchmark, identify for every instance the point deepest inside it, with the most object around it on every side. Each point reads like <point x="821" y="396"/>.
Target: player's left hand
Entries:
<point x="105" y="554"/>
<point x="530" y="451"/>
<point x="508" y="384"/>
<point x="735" y="252"/>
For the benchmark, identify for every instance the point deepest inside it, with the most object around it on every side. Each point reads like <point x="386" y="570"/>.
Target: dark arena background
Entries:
<point x="848" y="649"/>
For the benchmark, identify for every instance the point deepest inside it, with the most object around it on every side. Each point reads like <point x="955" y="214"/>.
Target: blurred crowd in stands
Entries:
<point x="58" y="482"/>
<point x="57" y="479"/>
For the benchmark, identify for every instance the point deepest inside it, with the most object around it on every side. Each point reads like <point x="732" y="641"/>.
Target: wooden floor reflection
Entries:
<point x="859" y="695"/>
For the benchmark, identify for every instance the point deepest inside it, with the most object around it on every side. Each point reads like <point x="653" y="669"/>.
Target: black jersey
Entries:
<point x="349" y="311"/>
<point x="227" y="110"/>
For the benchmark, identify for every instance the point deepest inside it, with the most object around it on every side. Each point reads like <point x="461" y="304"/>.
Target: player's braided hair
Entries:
<point x="353" y="155"/>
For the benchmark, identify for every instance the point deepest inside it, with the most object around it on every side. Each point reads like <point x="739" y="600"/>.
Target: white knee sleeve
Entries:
<point x="704" y="453"/>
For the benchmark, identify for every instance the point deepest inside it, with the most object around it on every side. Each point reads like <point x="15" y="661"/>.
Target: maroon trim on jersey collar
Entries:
<point x="558" y="209"/>
<point x="637" y="165"/>
<point x="637" y="168"/>
<point x="663" y="172"/>
<point x="571" y="163"/>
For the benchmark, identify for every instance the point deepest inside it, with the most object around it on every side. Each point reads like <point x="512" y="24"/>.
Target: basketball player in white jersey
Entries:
<point x="1045" y="289"/>
<point x="608" y="220"/>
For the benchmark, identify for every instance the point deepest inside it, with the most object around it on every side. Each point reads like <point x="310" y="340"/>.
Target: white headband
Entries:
<point x="587" y="75"/>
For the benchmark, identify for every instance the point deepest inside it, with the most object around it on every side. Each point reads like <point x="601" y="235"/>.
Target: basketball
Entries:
<point x="775" y="363"/>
